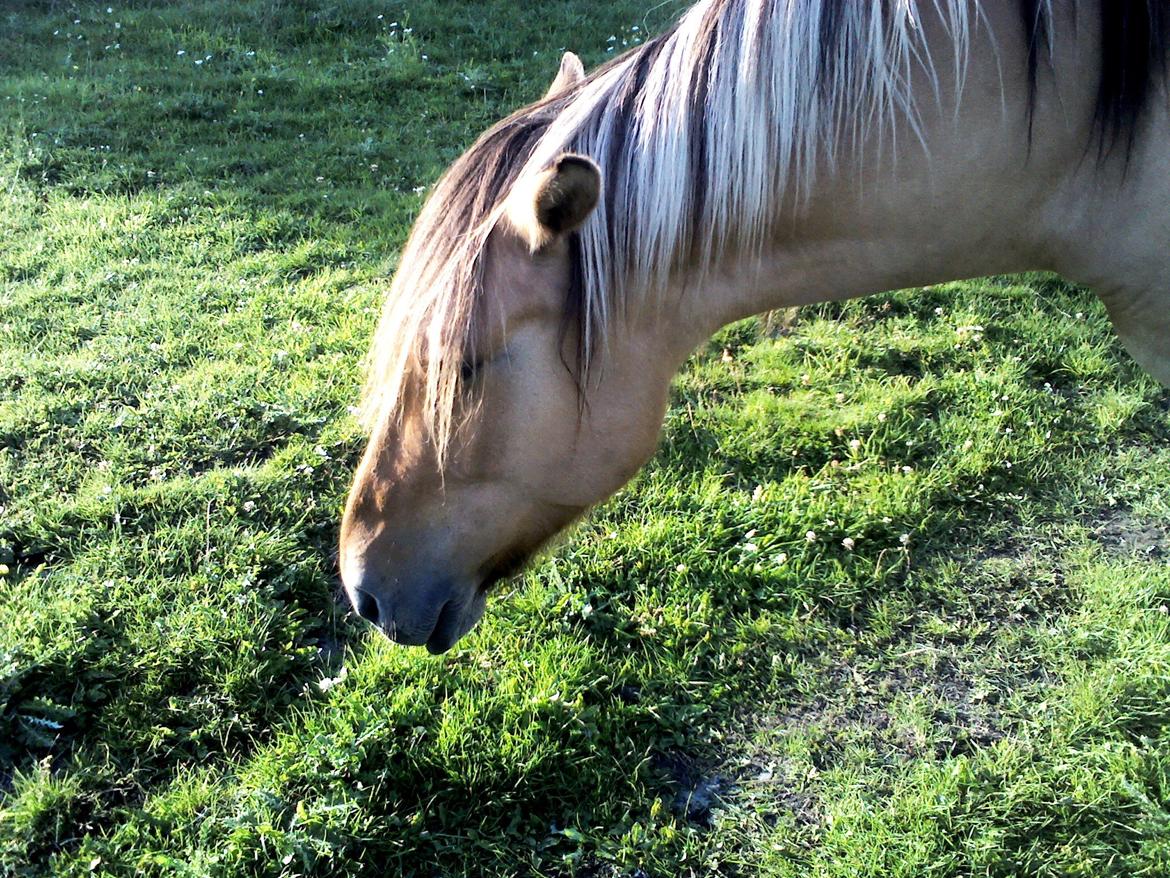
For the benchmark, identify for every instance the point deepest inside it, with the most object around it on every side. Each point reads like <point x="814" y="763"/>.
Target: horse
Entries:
<point x="759" y="154"/>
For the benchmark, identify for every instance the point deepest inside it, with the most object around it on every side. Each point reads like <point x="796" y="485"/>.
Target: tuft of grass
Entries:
<point x="890" y="601"/>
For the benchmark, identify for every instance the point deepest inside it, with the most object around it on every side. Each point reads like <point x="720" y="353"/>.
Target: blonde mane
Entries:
<point x="700" y="134"/>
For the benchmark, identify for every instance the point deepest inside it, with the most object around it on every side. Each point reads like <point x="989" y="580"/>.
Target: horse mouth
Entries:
<point x="503" y="566"/>
<point x="457" y="617"/>
<point x="447" y="629"/>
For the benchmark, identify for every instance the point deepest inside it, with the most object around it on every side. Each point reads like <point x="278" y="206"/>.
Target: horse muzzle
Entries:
<point x="435" y="614"/>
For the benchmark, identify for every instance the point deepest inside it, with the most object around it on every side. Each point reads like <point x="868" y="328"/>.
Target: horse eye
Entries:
<point x="469" y="370"/>
<point x="473" y="366"/>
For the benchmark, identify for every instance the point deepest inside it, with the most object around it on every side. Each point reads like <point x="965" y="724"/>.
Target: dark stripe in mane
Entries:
<point x="829" y="38"/>
<point x="623" y="108"/>
<point x="700" y="90"/>
<point x="1037" y="31"/>
<point x="1133" y="55"/>
<point x="1134" y="46"/>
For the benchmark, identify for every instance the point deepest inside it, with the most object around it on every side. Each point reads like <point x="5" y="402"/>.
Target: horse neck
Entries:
<point x="893" y="233"/>
<point x="975" y="190"/>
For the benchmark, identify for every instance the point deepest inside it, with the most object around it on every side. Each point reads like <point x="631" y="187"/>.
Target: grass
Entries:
<point x="200" y="204"/>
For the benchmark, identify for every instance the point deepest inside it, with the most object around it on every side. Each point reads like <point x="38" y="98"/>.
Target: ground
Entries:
<point x="892" y="600"/>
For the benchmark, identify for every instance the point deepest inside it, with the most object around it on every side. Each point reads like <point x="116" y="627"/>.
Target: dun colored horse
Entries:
<point x="760" y="154"/>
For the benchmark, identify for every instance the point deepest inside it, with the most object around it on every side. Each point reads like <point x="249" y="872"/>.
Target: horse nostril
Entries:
<point x="367" y="607"/>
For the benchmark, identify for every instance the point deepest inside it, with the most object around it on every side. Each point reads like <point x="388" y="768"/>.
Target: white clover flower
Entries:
<point x="848" y="543"/>
<point x="811" y="536"/>
<point x="329" y="682"/>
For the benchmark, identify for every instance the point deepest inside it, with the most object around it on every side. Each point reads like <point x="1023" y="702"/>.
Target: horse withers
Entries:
<point x="760" y="154"/>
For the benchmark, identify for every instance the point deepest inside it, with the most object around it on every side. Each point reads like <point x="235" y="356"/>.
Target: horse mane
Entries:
<point x="700" y="133"/>
<point x="426" y="318"/>
<point x="1134" y="47"/>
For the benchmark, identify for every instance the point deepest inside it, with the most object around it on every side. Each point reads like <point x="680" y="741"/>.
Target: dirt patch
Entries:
<point x="944" y="685"/>
<point x="924" y="703"/>
<point x="959" y="709"/>
<point x="698" y="792"/>
<point x="1121" y="532"/>
<point x="778" y="784"/>
<point x="591" y="868"/>
<point x="702" y="791"/>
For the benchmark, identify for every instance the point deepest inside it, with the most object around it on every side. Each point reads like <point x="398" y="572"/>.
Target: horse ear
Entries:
<point x="567" y="193"/>
<point x="572" y="72"/>
<point x="557" y="201"/>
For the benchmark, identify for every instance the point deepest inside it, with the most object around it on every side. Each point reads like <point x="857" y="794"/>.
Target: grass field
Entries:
<point x="890" y="601"/>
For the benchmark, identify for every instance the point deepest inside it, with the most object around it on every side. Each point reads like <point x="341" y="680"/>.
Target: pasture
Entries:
<point x="891" y="600"/>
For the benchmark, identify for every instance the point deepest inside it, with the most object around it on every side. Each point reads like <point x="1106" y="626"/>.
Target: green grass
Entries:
<point x="191" y="263"/>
